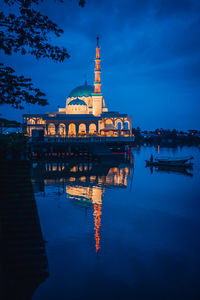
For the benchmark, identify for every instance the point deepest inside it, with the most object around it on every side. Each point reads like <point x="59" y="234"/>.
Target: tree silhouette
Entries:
<point x="26" y="31"/>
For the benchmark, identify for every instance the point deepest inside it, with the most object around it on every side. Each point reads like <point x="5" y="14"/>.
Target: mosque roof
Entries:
<point x="82" y="90"/>
<point x="77" y="101"/>
<point x="63" y="116"/>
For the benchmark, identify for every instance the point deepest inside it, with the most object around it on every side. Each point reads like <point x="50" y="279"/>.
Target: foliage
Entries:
<point x="26" y="31"/>
<point x="17" y="89"/>
<point x="136" y="131"/>
<point x="8" y="123"/>
<point x="12" y="143"/>
<point x="5" y="124"/>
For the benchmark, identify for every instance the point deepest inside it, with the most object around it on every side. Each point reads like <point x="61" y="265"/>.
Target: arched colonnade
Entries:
<point x="72" y="129"/>
<point x="118" y="123"/>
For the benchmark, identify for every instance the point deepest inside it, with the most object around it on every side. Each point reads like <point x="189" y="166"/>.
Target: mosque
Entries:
<point x="85" y="114"/>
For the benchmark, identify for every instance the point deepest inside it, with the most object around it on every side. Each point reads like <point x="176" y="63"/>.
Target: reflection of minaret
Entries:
<point x="87" y="197"/>
<point x="22" y="245"/>
<point x="97" y="196"/>
<point x="97" y="224"/>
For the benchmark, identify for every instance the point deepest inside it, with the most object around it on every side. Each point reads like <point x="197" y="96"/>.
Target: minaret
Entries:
<point x="97" y="97"/>
<point x="97" y="71"/>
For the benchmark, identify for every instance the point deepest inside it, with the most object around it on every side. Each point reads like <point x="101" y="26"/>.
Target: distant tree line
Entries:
<point x="166" y="136"/>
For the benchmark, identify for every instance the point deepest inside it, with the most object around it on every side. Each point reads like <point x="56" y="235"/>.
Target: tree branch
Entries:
<point x="16" y="89"/>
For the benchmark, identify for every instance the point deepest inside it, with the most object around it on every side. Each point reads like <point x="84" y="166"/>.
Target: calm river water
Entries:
<point x="120" y="231"/>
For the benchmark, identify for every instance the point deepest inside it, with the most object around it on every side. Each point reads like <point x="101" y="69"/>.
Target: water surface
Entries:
<point x="120" y="231"/>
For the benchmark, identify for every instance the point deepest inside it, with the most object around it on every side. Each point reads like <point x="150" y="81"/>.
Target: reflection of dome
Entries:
<point x="77" y="101"/>
<point x="80" y="201"/>
<point x="81" y="91"/>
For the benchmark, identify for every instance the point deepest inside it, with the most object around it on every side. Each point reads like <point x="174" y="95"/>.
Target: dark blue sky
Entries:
<point x="150" y="52"/>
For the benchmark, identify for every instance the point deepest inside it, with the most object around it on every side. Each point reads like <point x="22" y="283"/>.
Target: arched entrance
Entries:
<point x="62" y="130"/>
<point x="72" y="129"/>
<point x="31" y="121"/>
<point x="82" y="129"/>
<point x="51" y="129"/>
<point x="126" y="125"/>
<point x="40" y="121"/>
<point x="119" y="124"/>
<point x="108" y="122"/>
<point x="92" y="129"/>
<point x="126" y="129"/>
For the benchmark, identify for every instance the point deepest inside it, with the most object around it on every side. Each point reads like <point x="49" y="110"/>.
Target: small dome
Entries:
<point x="82" y="91"/>
<point x="77" y="101"/>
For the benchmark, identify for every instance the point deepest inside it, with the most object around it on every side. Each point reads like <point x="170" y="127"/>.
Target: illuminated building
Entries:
<point x="84" y="114"/>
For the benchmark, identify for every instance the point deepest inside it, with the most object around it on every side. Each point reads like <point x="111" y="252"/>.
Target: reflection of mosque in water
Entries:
<point x="85" y="183"/>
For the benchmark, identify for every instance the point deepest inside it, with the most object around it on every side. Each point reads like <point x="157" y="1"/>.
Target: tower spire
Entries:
<point x="97" y="70"/>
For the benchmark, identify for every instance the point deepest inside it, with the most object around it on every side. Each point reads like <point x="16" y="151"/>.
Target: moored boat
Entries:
<point x="173" y="160"/>
<point x="180" y="162"/>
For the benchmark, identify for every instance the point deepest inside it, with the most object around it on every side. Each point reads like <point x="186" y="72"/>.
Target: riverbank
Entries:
<point x="24" y="264"/>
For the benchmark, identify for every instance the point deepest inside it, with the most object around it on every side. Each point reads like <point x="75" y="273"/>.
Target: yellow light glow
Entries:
<point x="97" y="225"/>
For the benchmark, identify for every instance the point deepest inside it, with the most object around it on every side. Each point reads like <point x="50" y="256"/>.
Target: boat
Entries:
<point x="176" y="162"/>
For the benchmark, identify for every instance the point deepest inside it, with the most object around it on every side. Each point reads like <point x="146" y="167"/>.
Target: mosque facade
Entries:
<point x="85" y="114"/>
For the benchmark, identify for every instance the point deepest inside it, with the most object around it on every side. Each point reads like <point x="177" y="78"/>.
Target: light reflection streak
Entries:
<point x="158" y="149"/>
<point x="97" y="225"/>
